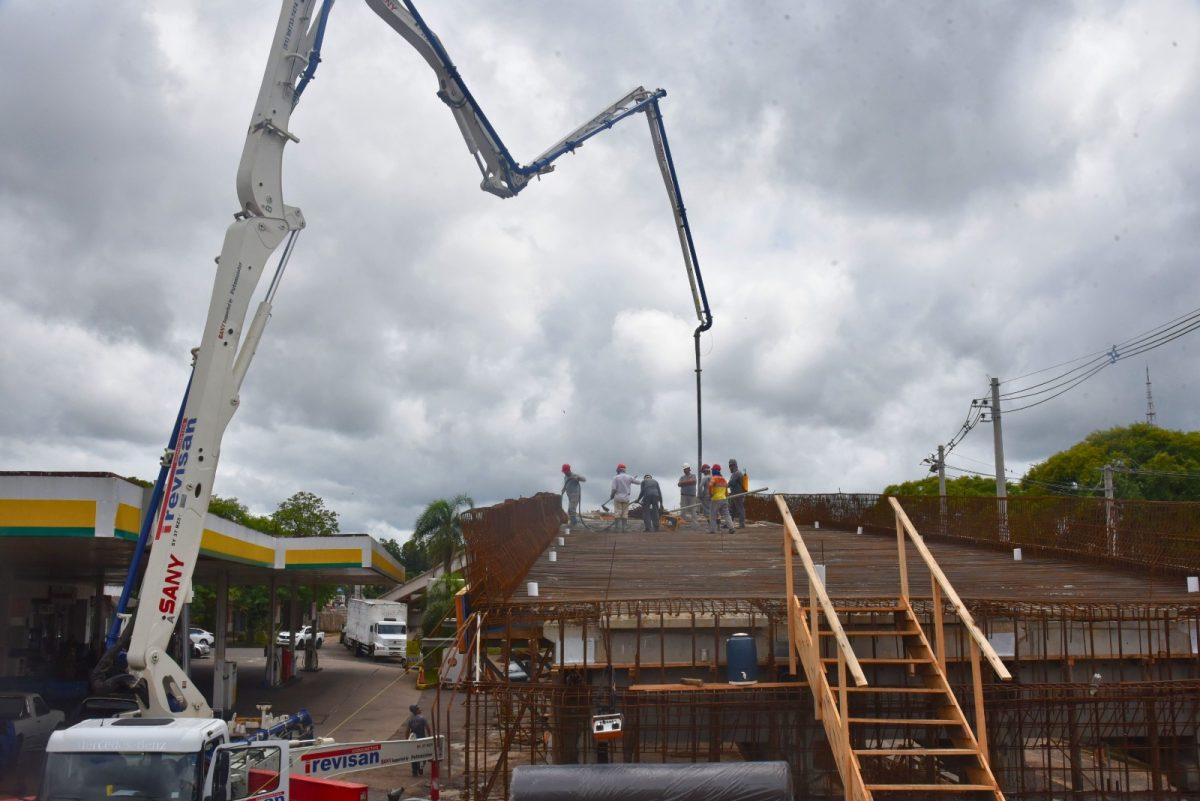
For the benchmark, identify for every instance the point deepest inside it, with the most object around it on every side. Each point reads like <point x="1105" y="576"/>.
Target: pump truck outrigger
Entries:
<point x="175" y="720"/>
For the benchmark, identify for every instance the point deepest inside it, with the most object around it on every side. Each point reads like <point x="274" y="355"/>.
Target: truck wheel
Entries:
<point x="319" y="644"/>
<point x="358" y="649"/>
<point x="372" y="651"/>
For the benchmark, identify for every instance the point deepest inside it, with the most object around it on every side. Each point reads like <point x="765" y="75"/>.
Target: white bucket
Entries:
<point x="1016" y="554"/>
<point x="562" y="541"/>
<point x="1193" y="583"/>
<point x="554" y="556"/>
<point x="816" y="524"/>
<point x="531" y="588"/>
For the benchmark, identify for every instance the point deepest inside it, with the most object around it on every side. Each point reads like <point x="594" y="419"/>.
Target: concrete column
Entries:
<point x="272" y="630"/>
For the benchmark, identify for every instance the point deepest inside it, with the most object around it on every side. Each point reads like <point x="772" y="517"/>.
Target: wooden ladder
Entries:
<point x="905" y="736"/>
<point x="907" y="732"/>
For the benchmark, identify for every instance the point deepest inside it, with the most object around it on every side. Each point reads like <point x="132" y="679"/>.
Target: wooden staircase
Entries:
<point x="905" y="736"/>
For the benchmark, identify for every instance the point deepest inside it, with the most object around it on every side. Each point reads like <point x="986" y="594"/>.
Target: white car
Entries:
<point x="200" y="635"/>
<point x="302" y="636"/>
<point x="200" y="649"/>
<point x="32" y="719"/>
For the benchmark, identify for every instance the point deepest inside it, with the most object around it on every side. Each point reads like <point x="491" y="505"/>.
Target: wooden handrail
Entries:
<point x="818" y="587"/>
<point x="948" y="592"/>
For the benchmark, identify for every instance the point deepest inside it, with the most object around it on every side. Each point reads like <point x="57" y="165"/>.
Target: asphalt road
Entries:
<point x="350" y="699"/>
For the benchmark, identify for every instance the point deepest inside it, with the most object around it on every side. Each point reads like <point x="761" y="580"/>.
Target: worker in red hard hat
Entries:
<point x="622" y="485"/>
<point x="573" y="491"/>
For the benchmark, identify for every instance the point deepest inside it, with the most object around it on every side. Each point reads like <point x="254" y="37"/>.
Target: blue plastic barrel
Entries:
<point x="741" y="657"/>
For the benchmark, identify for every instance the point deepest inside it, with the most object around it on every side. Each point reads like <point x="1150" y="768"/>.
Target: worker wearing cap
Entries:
<point x="705" y="501"/>
<point x="718" y="491"/>
<point x="416" y="728"/>
<point x="573" y="491"/>
<point x="622" y="484"/>
<point x="687" y="493"/>
<point x="738" y="484"/>
<point x="651" y="500"/>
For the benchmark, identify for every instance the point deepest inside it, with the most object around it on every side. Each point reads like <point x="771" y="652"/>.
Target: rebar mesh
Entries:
<point x="1155" y="534"/>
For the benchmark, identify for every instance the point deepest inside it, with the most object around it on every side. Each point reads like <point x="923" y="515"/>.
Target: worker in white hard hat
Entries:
<point x="687" y="493"/>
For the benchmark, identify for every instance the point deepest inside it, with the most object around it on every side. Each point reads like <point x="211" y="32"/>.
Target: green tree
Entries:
<point x="304" y="515"/>
<point x="966" y="486"/>
<point x="438" y="531"/>
<point x="439" y="602"/>
<point x="1151" y="463"/>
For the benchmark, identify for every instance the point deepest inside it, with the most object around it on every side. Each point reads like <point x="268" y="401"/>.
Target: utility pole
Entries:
<point x="1001" y="481"/>
<point x="1110" y="511"/>
<point x="941" y="466"/>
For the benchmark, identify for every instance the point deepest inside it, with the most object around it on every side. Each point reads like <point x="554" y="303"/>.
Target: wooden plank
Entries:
<point x="930" y="788"/>
<point x="826" y="604"/>
<point x="874" y="632"/>
<point x="882" y="660"/>
<point x="910" y="721"/>
<point x="928" y="690"/>
<point x="881" y="752"/>
<point x="716" y="686"/>
<point x="903" y="524"/>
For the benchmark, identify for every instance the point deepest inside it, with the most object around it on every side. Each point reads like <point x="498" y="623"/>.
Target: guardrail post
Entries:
<point x="938" y="623"/>
<point x="791" y="593"/>
<point x="980" y="720"/>
<point x="903" y="561"/>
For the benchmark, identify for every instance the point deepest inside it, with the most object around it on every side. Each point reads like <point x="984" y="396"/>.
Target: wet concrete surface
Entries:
<point x="350" y="699"/>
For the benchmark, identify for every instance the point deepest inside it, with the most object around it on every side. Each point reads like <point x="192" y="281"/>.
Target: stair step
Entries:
<point x="908" y="721"/>
<point x="880" y="752"/>
<point x="930" y="788"/>
<point x="880" y="660"/>
<point x="872" y="689"/>
<point x="874" y="633"/>
<point x="865" y="610"/>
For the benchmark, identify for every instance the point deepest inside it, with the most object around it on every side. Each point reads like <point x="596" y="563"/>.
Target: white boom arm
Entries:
<point x="261" y="224"/>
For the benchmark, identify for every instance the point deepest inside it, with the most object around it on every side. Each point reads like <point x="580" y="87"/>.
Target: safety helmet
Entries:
<point x="621" y="466"/>
<point x="687" y="466"/>
<point x="704" y="467"/>
<point x="566" y="468"/>
<point x="717" y="469"/>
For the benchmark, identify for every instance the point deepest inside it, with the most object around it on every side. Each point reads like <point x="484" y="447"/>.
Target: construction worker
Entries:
<point x="652" y="502"/>
<point x="738" y="484"/>
<point x="621" y="484"/>
<point x="573" y="491"/>
<point x="705" y="501"/>
<point x="687" y="493"/>
<point x="718" y="491"/>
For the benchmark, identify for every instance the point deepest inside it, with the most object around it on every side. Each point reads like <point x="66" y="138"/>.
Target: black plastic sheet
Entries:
<point x="719" y="781"/>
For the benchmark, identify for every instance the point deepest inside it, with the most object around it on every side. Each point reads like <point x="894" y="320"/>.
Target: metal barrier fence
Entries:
<point x="1155" y="534"/>
<point x="503" y="542"/>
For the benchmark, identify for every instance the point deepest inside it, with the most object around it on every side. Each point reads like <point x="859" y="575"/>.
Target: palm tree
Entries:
<point x="438" y="531"/>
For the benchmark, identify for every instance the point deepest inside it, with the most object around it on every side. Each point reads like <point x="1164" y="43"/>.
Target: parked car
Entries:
<point x="302" y="636"/>
<point x="103" y="706"/>
<point x="31" y="718"/>
<point x="200" y="650"/>
<point x="200" y="635"/>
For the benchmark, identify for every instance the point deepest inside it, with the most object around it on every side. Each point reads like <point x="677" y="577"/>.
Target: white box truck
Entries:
<point x="377" y="628"/>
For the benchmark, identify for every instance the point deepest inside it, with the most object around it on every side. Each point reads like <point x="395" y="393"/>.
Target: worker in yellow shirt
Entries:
<point x="718" y="493"/>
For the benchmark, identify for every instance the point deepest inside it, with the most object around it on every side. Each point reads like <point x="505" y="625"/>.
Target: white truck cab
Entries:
<point x="161" y="758"/>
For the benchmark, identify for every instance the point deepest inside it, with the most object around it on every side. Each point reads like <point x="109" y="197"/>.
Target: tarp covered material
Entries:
<point x="718" y="781"/>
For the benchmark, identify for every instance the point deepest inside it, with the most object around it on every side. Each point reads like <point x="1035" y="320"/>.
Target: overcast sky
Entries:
<point x="891" y="204"/>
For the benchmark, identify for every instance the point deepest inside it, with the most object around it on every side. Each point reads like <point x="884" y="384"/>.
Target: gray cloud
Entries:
<point x="891" y="203"/>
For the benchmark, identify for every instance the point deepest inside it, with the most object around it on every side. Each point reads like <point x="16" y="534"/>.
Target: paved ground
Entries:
<point x="350" y="699"/>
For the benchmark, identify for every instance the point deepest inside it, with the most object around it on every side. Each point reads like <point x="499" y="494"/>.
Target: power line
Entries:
<point x="1093" y="363"/>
